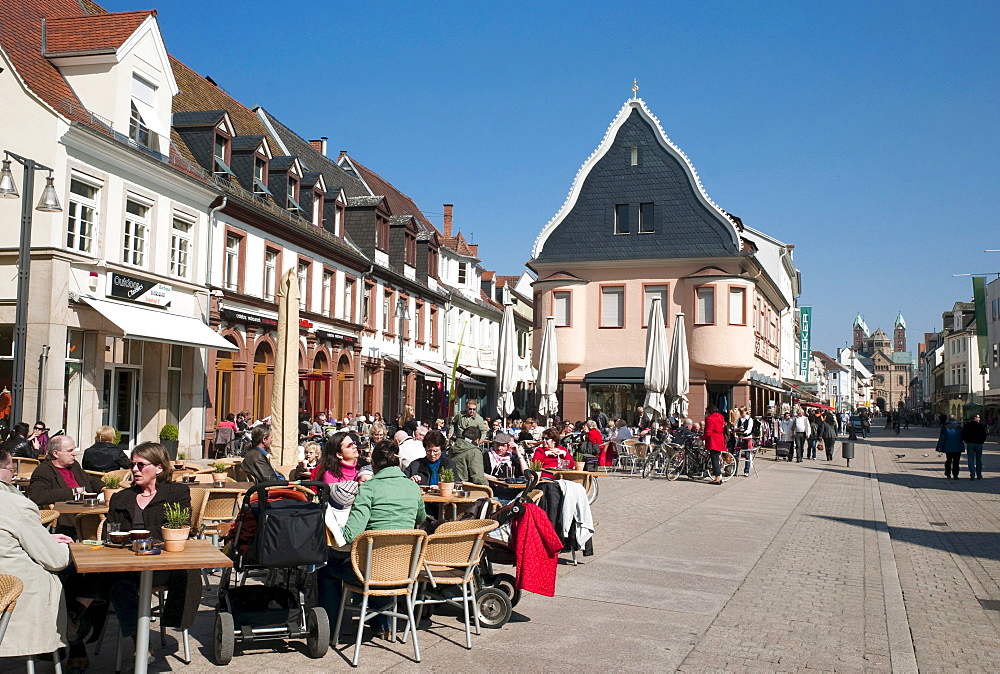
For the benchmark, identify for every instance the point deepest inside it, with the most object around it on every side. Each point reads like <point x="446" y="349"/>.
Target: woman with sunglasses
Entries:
<point x="141" y="506"/>
<point x="341" y="461"/>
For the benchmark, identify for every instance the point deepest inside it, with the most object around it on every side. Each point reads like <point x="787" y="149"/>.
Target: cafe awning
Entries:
<point x="616" y="375"/>
<point x="445" y="371"/>
<point x="427" y="373"/>
<point x="159" y="325"/>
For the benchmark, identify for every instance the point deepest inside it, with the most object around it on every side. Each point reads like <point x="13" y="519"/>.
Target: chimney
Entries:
<point x="343" y="153"/>
<point x="447" y="219"/>
<point x="319" y="145"/>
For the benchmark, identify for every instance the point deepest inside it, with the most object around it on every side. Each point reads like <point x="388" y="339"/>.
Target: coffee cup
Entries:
<point x="89" y="494"/>
<point x="138" y="534"/>
<point x="118" y="537"/>
<point x="142" y="544"/>
<point x="187" y="479"/>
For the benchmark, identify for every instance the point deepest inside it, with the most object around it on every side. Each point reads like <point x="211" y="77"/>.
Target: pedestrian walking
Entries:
<point x="974" y="436"/>
<point x="950" y="442"/>
<point x="815" y="421"/>
<point x="715" y="440"/>
<point x="800" y="432"/>
<point x="828" y="431"/>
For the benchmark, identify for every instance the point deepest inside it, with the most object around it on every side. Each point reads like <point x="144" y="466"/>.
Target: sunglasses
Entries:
<point x="140" y="464"/>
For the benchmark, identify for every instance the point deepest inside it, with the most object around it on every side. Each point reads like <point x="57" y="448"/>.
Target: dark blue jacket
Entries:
<point x="950" y="440"/>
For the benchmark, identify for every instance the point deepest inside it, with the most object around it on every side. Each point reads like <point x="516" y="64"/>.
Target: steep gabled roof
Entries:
<point x="458" y="244"/>
<point x="99" y="33"/>
<point x="399" y="203"/>
<point x="199" y="95"/>
<point x="828" y="363"/>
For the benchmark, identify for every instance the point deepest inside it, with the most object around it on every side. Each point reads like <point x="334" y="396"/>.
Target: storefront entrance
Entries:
<point x="125" y="393"/>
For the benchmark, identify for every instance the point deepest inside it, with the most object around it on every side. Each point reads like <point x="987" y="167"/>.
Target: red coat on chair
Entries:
<point x="536" y="547"/>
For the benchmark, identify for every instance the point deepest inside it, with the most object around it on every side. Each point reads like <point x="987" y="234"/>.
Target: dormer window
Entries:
<point x="463" y="271"/>
<point x="292" y="196"/>
<point x="382" y="234"/>
<point x="221" y="153"/>
<point x="411" y="250"/>
<point x="317" y="208"/>
<point x="260" y="175"/>
<point x="138" y="132"/>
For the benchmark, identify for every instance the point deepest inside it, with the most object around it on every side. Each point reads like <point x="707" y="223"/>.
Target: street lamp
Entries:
<point x="49" y="203"/>
<point x="403" y="314"/>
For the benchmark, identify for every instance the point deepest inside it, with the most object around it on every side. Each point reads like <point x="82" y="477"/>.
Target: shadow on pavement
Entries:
<point x="980" y="544"/>
<point x="926" y="478"/>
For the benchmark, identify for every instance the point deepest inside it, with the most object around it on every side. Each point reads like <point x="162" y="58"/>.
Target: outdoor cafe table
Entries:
<point x="211" y="485"/>
<point x="79" y="508"/>
<point x="453" y="500"/>
<point x="197" y="554"/>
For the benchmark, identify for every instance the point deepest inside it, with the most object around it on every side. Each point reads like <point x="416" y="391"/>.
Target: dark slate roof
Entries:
<point x="314" y="160"/>
<point x="282" y="163"/>
<point x="684" y="225"/>
<point x="310" y="178"/>
<point x="198" y="118"/>
<point x="397" y="220"/>
<point x="364" y="201"/>
<point x="245" y="143"/>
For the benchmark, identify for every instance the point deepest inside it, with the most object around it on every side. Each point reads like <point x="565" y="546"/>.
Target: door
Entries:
<point x="125" y="405"/>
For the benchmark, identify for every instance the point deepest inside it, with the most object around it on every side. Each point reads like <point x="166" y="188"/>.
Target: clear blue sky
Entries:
<point x="863" y="132"/>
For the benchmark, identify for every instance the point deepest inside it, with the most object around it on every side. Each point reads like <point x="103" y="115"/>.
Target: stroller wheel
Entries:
<point x="224" y="640"/>
<point x="318" y="627"/>
<point x="494" y="607"/>
<point x="506" y="582"/>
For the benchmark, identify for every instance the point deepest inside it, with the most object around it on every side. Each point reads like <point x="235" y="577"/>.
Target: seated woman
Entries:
<point x="104" y="455"/>
<point x="28" y="551"/>
<point x="304" y="471"/>
<point x="504" y="461"/>
<point x="341" y="461"/>
<point x="426" y="471"/>
<point x="387" y="501"/>
<point x="141" y="507"/>
<point x="549" y="452"/>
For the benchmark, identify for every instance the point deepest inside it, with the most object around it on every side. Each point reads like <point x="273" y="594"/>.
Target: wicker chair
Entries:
<point x="124" y="474"/>
<point x="89" y="526"/>
<point x="450" y="559"/>
<point x="11" y="588"/>
<point x="387" y="562"/>
<point x="582" y="477"/>
<point x="49" y="517"/>
<point x="478" y="489"/>
<point x="216" y="506"/>
<point x="24" y="467"/>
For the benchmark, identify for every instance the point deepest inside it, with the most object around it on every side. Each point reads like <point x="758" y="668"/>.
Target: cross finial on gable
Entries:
<point x="635" y="89"/>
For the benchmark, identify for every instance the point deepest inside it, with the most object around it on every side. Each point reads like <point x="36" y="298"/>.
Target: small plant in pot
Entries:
<point x="169" y="435"/>
<point x="578" y="460"/>
<point x="219" y="473"/>
<point x="112" y="485"/>
<point x="446" y="482"/>
<point x="176" y="527"/>
<point x="536" y="465"/>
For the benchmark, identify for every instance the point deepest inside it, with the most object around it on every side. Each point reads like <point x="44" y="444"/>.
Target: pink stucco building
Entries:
<point x="638" y="224"/>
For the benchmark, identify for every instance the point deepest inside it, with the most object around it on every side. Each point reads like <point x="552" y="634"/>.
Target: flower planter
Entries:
<point x="219" y="479"/>
<point x="108" y="493"/>
<point x="580" y="465"/>
<point x="174" y="540"/>
<point x="446" y="488"/>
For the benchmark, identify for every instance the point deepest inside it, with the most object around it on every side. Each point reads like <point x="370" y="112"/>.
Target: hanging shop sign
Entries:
<point x="805" y="341"/>
<point x="233" y="316"/>
<point x="139" y="290"/>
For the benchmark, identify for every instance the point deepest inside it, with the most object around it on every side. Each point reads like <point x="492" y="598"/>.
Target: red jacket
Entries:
<point x="715" y="433"/>
<point x="537" y="548"/>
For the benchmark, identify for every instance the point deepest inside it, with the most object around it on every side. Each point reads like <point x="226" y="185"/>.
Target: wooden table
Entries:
<point x="81" y="508"/>
<point x="432" y="497"/>
<point x="228" y="485"/>
<point x="197" y="554"/>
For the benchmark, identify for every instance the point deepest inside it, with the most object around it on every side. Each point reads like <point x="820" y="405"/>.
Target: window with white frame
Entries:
<point x="180" y="246"/>
<point x="292" y="195"/>
<point x="317" y="205"/>
<point x="270" y="273"/>
<point x="136" y="233"/>
<point x="561" y="308"/>
<point x="613" y="307"/>
<point x="347" y="309"/>
<point x="81" y="215"/>
<point x="387" y="312"/>
<point x="138" y="132"/>
<point x="463" y="273"/>
<point x="260" y="175"/>
<point x="650" y="293"/>
<point x="327" y="292"/>
<point x="232" y="270"/>
<point x="705" y="305"/>
<point x="303" y="283"/>
<point x="737" y="306"/>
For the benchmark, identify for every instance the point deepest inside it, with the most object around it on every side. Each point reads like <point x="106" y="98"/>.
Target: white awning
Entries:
<point x="425" y="372"/>
<point x="159" y="325"/>
<point x="445" y="370"/>
<point x="151" y="119"/>
<point x="480" y="372"/>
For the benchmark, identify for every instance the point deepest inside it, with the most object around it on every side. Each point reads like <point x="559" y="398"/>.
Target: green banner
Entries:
<point x="979" y="298"/>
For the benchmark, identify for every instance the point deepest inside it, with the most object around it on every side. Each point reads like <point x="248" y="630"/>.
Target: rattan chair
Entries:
<point x="387" y="563"/>
<point x="450" y="559"/>
<point x="124" y="474"/>
<point x="11" y="588"/>
<point x="216" y="505"/>
<point x="89" y="526"/>
<point x="49" y="517"/>
<point x="24" y="467"/>
<point x="478" y="489"/>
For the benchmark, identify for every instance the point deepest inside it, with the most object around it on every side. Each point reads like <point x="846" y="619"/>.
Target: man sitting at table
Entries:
<point x="58" y="478"/>
<point x="257" y="460"/>
<point x="468" y="457"/>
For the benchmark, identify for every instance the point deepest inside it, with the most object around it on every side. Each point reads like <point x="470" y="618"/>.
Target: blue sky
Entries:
<point x="865" y="133"/>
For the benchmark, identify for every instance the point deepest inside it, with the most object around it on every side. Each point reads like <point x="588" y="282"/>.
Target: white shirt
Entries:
<point x="801" y="425"/>
<point x="410" y="450"/>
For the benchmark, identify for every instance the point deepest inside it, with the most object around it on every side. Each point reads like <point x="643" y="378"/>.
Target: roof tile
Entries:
<point x="100" y="32"/>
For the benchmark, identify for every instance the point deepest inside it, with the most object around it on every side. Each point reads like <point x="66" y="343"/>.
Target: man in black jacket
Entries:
<point x="257" y="460"/>
<point x="58" y="477"/>
<point x="974" y="436"/>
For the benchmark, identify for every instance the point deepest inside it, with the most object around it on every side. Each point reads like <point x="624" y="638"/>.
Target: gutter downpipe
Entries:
<point x="360" y="369"/>
<point x="43" y="367"/>
<point x="208" y="311"/>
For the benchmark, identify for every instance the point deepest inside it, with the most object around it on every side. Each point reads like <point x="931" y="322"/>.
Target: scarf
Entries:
<point x="502" y="465"/>
<point x="433" y="466"/>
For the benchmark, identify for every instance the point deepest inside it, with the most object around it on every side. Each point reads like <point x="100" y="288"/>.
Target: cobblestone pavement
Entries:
<point x="877" y="566"/>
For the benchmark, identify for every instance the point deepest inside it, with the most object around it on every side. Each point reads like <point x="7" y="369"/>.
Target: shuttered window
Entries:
<point x="561" y="308"/>
<point x="705" y="308"/>
<point x="612" y="307"/>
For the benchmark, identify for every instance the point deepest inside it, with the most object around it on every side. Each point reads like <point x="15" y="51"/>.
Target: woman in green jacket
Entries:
<point x="390" y="500"/>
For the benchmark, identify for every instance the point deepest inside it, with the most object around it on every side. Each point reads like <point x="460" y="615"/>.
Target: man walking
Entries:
<point x="800" y="431"/>
<point x="974" y="436"/>
<point x="470" y="418"/>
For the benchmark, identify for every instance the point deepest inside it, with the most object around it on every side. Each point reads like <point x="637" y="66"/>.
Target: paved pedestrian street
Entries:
<point x="883" y="565"/>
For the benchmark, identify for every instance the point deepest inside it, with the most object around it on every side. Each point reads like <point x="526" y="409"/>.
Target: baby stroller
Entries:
<point x="498" y="594"/>
<point x="279" y="528"/>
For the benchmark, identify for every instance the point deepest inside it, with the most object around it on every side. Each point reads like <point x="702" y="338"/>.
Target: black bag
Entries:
<point x="289" y="533"/>
<point x="782" y="448"/>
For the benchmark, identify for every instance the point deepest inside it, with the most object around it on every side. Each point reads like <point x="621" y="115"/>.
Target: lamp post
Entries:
<point x="49" y="203"/>
<point x="403" y="314"/>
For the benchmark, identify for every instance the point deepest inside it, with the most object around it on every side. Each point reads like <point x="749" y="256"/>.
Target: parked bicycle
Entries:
<point x="658" y="458"/>
<point x="695" y="462"/>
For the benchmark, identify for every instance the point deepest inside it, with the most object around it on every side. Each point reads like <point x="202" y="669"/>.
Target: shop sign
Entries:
<point x="234" y="316"/>
<point x="337" y="337"/>
<point x="805" y="341"/>
<point x="140" y="290"/>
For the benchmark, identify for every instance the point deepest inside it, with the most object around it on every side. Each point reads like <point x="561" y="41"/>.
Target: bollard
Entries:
<point x="847" y="451"/>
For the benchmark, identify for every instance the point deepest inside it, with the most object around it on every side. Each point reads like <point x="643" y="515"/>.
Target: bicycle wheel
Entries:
<point x="647" y="465"/>
<point x="675" y="466"/>
<point x="728" y="465"/>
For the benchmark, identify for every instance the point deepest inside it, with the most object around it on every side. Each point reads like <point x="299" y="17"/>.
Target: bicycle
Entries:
<point x="694" y="461"/>
<point x="657" y="459"/>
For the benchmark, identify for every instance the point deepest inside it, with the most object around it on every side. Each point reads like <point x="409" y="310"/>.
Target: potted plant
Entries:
<point x="579" y="463"/>
<point x="219" y="473"/>
<point x="446" y="482"/>
<point x="536" y="466"/>
<point x="168" y="438"/>
<point x="176" y="527"/>
<point x="112" y="485"/>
